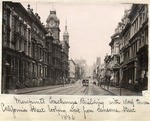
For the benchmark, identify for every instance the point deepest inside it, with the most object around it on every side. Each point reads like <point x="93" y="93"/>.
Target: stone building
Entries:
<point x="107" y="72"/>
<point x="65" y="55"/>
<point x="31" y="52"/>
<point x="102" y="74"/>
<point x="81" y="68"/>
<point x="24" y="49"/>
<point x="53" y="24"/>
<point x="114" y="44"/>
<point x="72" y="71"/>
<point x="129" y="62"/>
<point x="97" y="69"/>
<point x="135" y="46"/>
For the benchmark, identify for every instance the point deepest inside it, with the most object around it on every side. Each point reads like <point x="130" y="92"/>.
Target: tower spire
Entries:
<point x="66" y="34"/>
<point x="66" y="25"/>
<point x="53" y="9"/>
<point x="66" y="31"/>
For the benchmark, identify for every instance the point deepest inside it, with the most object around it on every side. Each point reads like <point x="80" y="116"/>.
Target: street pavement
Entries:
<point x="68" y="89"/>
<point x="75" y="89"/>
<point x="120" y="91"/>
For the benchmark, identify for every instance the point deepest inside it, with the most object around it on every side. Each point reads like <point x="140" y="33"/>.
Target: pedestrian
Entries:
<point x="137" y="88"/>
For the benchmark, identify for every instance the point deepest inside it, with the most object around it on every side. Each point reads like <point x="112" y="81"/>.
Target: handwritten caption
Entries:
<point x="68" y="109"/>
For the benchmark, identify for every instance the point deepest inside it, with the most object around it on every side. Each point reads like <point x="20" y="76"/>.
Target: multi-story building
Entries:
<point x="135" y="46"/>
<point x="97" y="70"/>
<point x="72" y="71"/>
<point x="31" y="53"/>
<point x="98" y="67"/>
<point x="53" y="24"/>
<point x="107" y="71"/>
<point x="65" y="57"/>
<point x="24" y="49"/>
<point x="81" y="67"/>
<point x="129" y="49"/>
<point x="115" y="39"/>
<point x="94" y="74"/>
<point x="102" y="74"/>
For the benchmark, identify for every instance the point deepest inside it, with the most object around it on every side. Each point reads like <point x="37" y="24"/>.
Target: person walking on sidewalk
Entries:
<point x="108" y="82"/>
<point x="137" y="87"/>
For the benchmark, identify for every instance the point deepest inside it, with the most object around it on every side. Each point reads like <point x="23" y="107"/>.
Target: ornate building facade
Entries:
<point x="114" y="44"/>
<point x="132" y="56"/>
<point x="135" y="49"/>
<point x="31" y="53"/>
<point x="65" y="56"/>
<point x="72" y="71"/>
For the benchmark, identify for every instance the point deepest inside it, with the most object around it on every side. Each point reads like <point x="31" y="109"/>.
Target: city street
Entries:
<point x="74" y="89"/>
<point x="38" y="59"/>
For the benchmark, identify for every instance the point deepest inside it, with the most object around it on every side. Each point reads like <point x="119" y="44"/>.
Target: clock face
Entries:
<point x="52" y="23"/>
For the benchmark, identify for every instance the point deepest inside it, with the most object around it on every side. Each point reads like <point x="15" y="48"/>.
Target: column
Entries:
<point x="3" y="74"/>
<point x="135" y="70"/>
<point x="27" y="45"/>
<point x="10" y="23"/>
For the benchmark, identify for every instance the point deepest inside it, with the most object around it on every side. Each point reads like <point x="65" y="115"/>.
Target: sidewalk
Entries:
<point x="124" y="92"/>
<point x="33" y="89"/>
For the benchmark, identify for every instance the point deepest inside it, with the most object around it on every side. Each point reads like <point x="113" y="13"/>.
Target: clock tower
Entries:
<point x="53" y="24"/>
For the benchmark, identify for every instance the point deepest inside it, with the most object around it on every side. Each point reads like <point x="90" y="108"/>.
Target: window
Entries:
<point x="18" y="26"/>
<point x="29" y="47"/>
<point x="42" y="53"/>
<point x="15" y="23"/>
<point x="25" y="46"/>
<point x="137" y="26"/>
<point x="5" y="15"/>
<point x="139" y="43"/>
<point x="8" y="38"/>
<point x="8" y="18"/>
<point x="14" y="42"/>
<point x="36" y="51"/>
<point x="32" y="50"/>
<point x="146" y="36"/>
<point x="140" y="21"/>
<point x="29" y="34"/>
<point x="25" y="31"/>
<point x="143" y="15"/>
<point x="22" y="30"/>
<point x="146" y="11"/>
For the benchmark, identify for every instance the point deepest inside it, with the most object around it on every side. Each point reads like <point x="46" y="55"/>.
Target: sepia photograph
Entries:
<point x="58" y="48"/>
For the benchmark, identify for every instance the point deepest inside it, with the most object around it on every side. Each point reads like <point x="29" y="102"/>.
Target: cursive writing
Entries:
<point x="91" y="101"/>
<point x="100" y="109"/>
<point x="128" y="102"/>
<point x="36" y="109"/>
<point x="61" y="101"/>
<point x="67" y="109"/>
<point x="29" y="101"/>
<point x="85" y="111"/>
<point x="10" y="108"/>
<point x="75" y="110"/>
<point x="56" y="109"/>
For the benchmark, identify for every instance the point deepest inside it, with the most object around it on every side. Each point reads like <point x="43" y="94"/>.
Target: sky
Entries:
<point x="90" y="25"/>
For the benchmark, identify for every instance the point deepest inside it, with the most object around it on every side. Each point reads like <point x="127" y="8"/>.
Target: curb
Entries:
<point x="36" y="90"/>
<point x="110" y="91"/>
